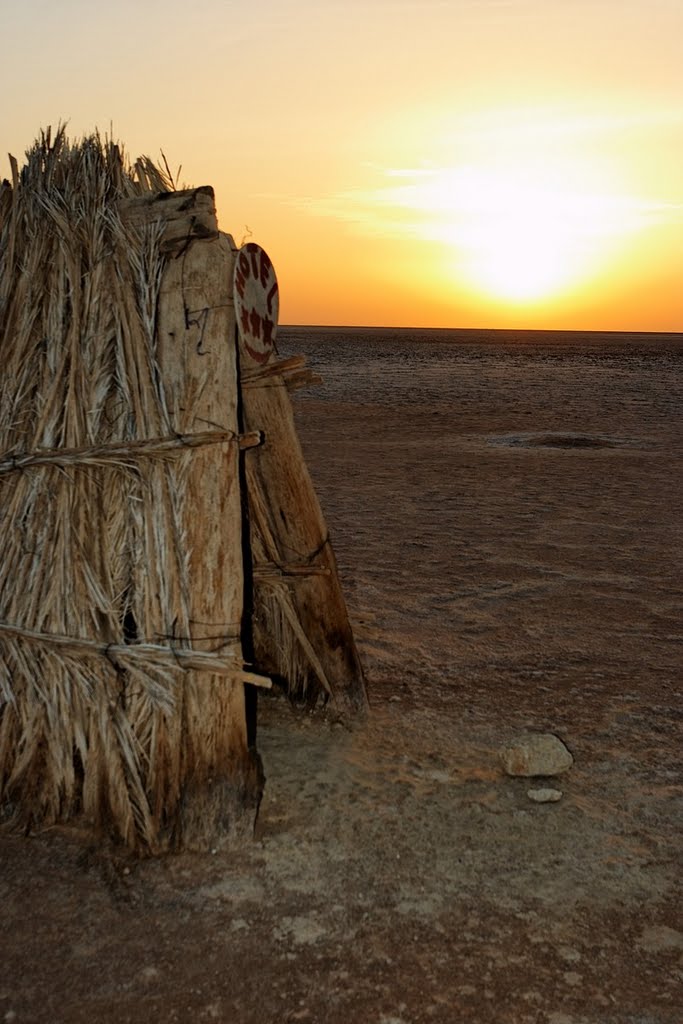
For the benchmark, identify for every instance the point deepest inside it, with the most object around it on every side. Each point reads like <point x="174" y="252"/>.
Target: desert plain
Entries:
<point x="505" y="509"/>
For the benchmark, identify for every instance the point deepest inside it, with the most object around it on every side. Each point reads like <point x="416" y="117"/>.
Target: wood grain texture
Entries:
<point x="197" y="361"/>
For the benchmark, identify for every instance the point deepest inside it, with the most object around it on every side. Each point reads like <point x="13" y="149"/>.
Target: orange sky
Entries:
<point x="463" y="163"/>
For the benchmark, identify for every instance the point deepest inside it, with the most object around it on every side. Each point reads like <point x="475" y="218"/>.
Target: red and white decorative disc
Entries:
<point x="256" y="301"/>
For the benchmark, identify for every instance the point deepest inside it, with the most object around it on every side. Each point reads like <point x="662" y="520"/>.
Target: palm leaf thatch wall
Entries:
<point x="121" y="689"/>
<point x="300" y="628"/>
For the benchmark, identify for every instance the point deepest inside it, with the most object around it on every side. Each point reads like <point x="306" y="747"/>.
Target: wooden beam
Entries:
<point x="221" y="775"/>
<point x="182" y="216"/>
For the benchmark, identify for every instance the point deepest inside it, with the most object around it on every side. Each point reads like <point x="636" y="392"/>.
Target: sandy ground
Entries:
<point x="506" y="518"/>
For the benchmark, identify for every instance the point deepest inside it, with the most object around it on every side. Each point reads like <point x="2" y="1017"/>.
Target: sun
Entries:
<point x="521" y="241"/>
<point x="521" y="236"/>
<point x="518" y="232"/>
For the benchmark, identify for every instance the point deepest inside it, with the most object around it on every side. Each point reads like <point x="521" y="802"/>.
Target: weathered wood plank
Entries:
<point x="184" y="216"/>
<point x="197" y="360"/>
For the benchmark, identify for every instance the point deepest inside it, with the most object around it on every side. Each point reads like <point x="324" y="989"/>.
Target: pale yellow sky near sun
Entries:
<point x="465" y="163"/>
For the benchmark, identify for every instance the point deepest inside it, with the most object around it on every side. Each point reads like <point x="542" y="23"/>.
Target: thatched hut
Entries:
<point x="163" y="548"/>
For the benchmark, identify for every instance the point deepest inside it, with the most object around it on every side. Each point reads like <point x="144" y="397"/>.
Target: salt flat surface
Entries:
<point x="505" y="508"/>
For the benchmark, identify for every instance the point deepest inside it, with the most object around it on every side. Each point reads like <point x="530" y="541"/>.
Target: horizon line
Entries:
<point x="502" y="330"/>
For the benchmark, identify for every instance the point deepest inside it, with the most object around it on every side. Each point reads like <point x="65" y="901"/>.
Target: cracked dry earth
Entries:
<point x="505" y="512"/>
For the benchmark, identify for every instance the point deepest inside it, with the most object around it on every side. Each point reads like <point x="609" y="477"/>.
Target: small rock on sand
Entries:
<point x="536" y="754"/>
<point x="544" y="796"/>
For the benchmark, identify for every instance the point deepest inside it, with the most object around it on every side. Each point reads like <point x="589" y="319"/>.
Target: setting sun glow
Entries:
<point x="520" y="235"/>
<point x="521" y="241"/>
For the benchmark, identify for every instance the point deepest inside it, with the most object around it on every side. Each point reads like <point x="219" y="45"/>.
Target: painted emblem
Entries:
<point x="256" y="301"/>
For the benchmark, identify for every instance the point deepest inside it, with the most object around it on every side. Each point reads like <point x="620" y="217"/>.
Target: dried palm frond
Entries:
<point x="91" y="530"/>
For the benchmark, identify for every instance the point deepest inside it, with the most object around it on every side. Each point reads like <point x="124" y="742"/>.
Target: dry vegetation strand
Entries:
<point x="92" y="540"/>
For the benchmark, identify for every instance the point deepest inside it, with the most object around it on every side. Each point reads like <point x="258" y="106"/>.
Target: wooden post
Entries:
<point x="221" y="779"/>
<point x="301" y="629"/>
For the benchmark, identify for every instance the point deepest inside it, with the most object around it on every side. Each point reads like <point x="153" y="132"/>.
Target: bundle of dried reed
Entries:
<point x="92" y="473"/>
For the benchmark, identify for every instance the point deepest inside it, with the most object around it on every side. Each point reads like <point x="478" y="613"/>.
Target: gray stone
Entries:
<point x="536" y="754"/>
<point x="544" y="796"/>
